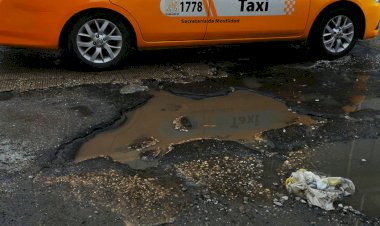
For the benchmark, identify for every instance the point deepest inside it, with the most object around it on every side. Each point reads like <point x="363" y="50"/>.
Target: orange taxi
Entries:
<point x="101" y="33"/>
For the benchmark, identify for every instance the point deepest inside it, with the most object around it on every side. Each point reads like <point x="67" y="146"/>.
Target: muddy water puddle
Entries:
<point x="358" y="160"/>
<point x="151" y="130"/>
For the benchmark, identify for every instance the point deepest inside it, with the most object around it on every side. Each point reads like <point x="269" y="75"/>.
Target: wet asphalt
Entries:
<point x="50" y="108"/>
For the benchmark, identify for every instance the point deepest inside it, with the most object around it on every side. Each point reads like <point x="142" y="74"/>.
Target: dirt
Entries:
<point x="200" y="182"/>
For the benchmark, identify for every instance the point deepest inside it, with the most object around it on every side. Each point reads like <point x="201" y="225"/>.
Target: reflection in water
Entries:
<point x="358" y="160"/>
<point x="358" y="96"/>
<point x="238" y="116"/>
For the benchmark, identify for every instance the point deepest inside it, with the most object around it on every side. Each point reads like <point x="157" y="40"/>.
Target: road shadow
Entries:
<point x="261" y="54"/>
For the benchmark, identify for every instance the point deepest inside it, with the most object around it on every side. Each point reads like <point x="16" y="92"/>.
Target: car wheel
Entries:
<point x="99" y="41"/>
<point x="336" y="34"/>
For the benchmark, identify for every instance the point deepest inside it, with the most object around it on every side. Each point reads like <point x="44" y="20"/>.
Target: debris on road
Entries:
<point x="133" y="88"/>
<point x="151" y="155"/>
<point x="319" y="190"/>
<point x="143" y="143"/>
<point x="182" y="124"/>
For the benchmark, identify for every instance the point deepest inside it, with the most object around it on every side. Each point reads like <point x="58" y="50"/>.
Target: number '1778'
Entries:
<point x="191" y="6"/>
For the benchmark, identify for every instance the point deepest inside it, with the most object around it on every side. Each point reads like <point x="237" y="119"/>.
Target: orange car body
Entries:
<point x="168" y="23"/>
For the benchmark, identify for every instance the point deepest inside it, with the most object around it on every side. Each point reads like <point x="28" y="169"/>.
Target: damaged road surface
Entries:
<point x="239" y="116"/>
<point x="207" y="139"/>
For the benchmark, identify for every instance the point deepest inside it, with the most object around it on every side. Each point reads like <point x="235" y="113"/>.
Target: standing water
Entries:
<point x="238" y="116"/>
<point x="358" y="160"/>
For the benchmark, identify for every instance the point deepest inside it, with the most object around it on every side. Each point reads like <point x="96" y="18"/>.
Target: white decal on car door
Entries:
<point x="183" y="8"/>
<point x="254" y="7"/>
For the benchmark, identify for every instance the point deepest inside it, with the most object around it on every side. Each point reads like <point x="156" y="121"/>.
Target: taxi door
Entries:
<point x="230" y="19"/>
<point x="168" y="20"/>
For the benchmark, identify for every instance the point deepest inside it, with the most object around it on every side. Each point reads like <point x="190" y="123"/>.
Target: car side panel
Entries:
<point x="371" y="11"/>
<point x="168" y="20"/>
<point x="257" y="18"/>
<point x="370" y="8"/>
<point x="39" y="23"/>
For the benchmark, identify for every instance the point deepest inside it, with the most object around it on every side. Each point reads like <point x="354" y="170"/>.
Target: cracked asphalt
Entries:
<point x="49" y="108"/>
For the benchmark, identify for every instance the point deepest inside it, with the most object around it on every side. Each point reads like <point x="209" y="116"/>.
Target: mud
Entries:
<point x="239" y="116"/>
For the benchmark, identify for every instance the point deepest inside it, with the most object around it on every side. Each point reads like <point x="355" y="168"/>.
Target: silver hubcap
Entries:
<point x="338" y="34"/>
<point x="99" y="41"/>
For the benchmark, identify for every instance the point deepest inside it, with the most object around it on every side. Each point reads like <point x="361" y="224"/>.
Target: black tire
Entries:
<point x="77" y="52"/>
<point x="317" y="40"/>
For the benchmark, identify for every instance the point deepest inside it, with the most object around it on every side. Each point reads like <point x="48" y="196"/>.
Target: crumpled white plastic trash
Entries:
<point x="319" y="190"/>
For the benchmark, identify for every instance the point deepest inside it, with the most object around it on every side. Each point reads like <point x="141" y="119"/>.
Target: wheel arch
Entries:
<point x="63" y="38"/>
<point x="342" y="4"/>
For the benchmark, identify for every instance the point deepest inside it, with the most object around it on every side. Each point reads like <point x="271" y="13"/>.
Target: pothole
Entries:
<point x="359" y="161"/>
<point x="151" y="130"/>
